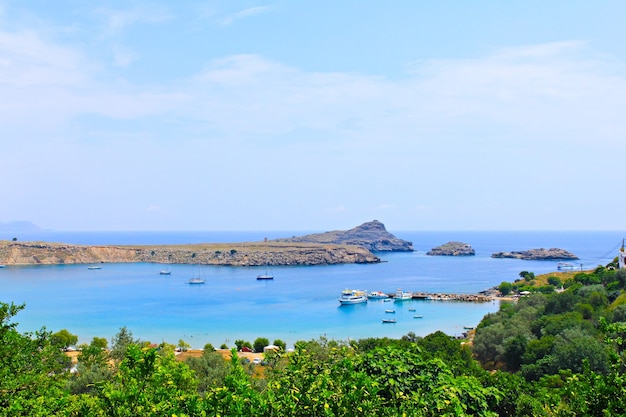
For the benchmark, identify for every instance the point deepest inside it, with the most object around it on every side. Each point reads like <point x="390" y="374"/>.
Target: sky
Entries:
<point x="293" y="115"/>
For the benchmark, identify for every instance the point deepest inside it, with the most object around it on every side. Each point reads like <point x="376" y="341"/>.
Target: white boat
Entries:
<point x="564" y="266"/>
<point x="2" y="266"/>
<point x="195" y="280"/>
<point x="94" y="267"/>
<point x="165" y="272"/>
<point x="390" y="311"/>
<point x="353" y="297"/>
<point x="377" y="295"/>
<point x="389" y="320"/>
<point x="403" y="295"/>
<point x="419" y="316"/>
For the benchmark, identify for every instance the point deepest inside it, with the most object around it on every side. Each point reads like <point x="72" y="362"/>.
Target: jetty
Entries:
<point x="428" y="296"/>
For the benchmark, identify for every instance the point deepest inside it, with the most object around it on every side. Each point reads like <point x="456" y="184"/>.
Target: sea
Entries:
<point x="300" y="303"/>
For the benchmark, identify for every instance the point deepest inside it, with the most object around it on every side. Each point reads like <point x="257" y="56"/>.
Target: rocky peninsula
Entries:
<point x="452" y="249"/>
<point x="227" y="254"/>
<point x="370" y="235"/>
<point x="338" y="247"/>
<point x="537" y="254"/>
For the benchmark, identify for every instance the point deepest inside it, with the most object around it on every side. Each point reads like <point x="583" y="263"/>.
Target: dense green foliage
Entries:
<point x="552" y="353"/>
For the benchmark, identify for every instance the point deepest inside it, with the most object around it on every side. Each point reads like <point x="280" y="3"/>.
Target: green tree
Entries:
<point x="148" y="383"/>
<point x="63" y="339"/>
<point x="183" y="346"/>
<point x="210" y="370"/>
<point x="555" y="281"/>
<point x="282" y="345"/>
<point x="260" y="343"/>
<point x="505" y="288"/>
<point x="33" y="372"/>
<point x="120" y="343"/>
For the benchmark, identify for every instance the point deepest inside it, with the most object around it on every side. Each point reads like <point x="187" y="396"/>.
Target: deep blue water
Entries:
<point x="299" y="304"/>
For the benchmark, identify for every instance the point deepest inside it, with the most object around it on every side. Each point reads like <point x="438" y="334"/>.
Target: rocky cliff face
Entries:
<point x="537" y="254"/>
<point x="371" y="235"/>
<point x="235" y="254"/>
<point x="452" y="249"/>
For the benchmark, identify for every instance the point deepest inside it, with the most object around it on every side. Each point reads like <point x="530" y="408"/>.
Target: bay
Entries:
<point x="299" y="304"/>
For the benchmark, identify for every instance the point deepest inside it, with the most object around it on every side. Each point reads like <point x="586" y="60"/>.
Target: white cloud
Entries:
<point x="252" y="11"/>
<point x="116" y="21"/>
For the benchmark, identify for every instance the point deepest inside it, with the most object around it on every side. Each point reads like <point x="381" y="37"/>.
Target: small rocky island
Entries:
<point x="370" y="235"/>
<point x="537" y="254"/>
<point x="452" y="249"/>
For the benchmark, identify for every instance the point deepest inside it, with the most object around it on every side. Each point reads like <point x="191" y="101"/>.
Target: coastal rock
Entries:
<point x="370" y="235"/>
<point x="452" y="249"/>
<point x="537" y="254"/>
<point x="228" y="254"/>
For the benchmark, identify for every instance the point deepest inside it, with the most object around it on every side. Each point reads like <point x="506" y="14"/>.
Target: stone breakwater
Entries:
<point x="225" y="254"/>
<point x="481" y="298"/>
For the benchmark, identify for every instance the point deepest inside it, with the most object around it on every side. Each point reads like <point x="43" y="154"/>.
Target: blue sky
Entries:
<point x="241" y="115"/>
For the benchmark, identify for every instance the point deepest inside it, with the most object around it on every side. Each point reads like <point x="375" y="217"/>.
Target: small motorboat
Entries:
<point x="377" y="295"/>
<point x="94" y="267"/>
<point x="419" y="316"/>
<point x="390" y="311"/>
<point x="389" y="320"/>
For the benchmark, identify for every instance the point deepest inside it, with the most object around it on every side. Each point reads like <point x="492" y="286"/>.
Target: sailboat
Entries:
<point x="267" y="275"/>
<point x="165" y="271"/>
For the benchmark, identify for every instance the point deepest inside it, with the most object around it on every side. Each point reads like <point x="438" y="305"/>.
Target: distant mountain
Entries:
<point x="19" y="226"/>
<point x="371" y="235"/>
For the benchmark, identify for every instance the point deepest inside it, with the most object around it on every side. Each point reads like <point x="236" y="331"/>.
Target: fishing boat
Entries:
<point x="389" y="320"/>
<point x="353" y="297"/>
<point x="403" y="295"/>
<point x="377" y="295"/>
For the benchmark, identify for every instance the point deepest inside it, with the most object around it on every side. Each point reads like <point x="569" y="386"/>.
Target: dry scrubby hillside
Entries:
<point x="232" y="254"/>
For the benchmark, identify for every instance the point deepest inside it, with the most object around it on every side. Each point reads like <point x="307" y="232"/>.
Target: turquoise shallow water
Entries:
<point x="299" y="304"/>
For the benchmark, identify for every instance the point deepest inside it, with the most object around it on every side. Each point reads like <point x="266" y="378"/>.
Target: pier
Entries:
<point x="427" y="296"/>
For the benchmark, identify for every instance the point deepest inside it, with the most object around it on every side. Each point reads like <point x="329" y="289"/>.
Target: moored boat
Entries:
<point x="389" y="320"/>
<point x="261" y="277"/>
<point x="353" y="297"/>
<point x="377" y="295"/>
<point x="403" y="295"/>
<point x="165" y="272"/>
<point x="196" y="280"/>
<point x="94" y="267"/>
<point x="390" y="311"/>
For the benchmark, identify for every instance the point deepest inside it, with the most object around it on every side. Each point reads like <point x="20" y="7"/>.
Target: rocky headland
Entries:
<point x="227" y="254"/>
<point x="452" y="249"/>
<point x="370" y="235"/>
<point x="537" y="254"/>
